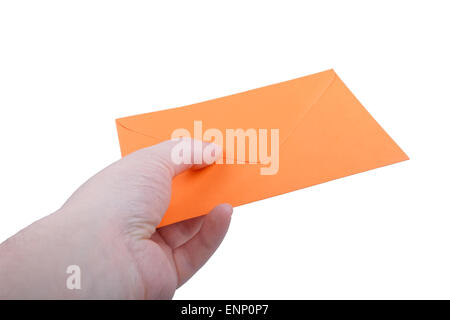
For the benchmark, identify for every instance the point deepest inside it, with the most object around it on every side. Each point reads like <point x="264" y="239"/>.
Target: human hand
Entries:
<point x="108" y="229"/>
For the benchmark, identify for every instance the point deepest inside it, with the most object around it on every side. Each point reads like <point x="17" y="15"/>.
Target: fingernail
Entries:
<point x="228" y="207"/>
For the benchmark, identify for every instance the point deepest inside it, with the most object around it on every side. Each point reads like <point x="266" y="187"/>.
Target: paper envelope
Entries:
<point x="324" y="134"/>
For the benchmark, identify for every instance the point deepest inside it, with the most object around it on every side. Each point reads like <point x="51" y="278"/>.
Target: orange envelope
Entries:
<point x="324" y="134"/>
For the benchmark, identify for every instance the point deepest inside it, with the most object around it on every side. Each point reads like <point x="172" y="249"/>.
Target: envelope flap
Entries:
<point x="280" y="106"/>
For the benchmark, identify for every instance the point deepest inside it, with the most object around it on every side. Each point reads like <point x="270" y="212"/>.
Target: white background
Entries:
<point x="69" y="68"/>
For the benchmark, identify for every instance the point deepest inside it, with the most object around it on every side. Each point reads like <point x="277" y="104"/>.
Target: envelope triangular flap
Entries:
<point x="325" y="134"/>
<point x="279" y="106"/>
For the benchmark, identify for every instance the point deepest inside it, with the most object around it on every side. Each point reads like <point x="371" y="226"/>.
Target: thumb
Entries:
<point x="137" y="188"/>
<point x="153" y="169"/>
<point x="176" y="156"/>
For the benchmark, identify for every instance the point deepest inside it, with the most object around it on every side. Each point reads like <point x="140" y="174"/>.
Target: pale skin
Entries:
<point x="108" y="228"/>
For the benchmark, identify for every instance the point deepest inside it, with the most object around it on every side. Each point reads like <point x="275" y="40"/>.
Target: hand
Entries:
<point x="108" y="229"/>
